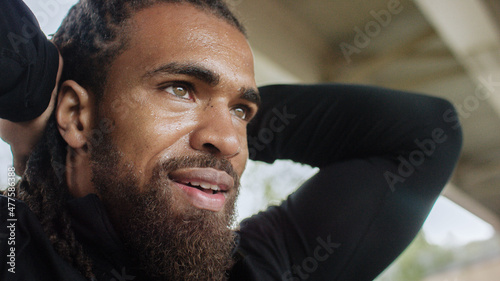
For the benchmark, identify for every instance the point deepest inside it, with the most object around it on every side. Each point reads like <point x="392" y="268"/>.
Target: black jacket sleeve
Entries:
<point x="384" y="157"/>
<point x="28" y="63"/>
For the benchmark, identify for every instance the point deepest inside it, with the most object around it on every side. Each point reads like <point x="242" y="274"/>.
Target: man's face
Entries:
<point x="184" y="87"/>
<point x="180" y="97"/>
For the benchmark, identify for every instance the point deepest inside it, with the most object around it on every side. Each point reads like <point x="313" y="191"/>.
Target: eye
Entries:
<point x="241" y="112"/>
<point x="179" y="91"/>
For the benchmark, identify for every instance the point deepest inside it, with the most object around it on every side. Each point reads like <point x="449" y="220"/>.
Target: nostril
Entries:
<point x="211" y="148"/>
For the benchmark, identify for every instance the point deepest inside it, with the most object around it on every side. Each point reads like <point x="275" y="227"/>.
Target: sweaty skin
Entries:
<point x="23" y="136"/>
<point x="181" y="88"/>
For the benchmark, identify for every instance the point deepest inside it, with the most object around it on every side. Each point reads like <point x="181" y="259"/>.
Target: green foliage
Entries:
<point x="422" y="259"/>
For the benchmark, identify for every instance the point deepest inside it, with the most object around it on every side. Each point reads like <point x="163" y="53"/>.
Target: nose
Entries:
<point x="216" y="133"/>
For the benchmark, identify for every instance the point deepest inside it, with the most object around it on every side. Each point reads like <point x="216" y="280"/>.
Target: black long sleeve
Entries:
<point x="28" y="63"/>
<point x="384" y="157"/>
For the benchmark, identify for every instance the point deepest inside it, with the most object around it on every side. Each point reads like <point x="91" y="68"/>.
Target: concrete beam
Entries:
<point x="284" y="38"/>
<point x="473" y="36"/>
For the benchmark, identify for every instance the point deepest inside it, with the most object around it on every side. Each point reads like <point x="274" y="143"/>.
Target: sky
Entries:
<point x="447" y="223"/>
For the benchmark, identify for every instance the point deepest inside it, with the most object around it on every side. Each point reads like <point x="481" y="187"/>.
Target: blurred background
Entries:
<point x="446" y="48"/>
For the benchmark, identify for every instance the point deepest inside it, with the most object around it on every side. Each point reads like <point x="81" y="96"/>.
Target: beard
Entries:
<point x="166" y="241"/>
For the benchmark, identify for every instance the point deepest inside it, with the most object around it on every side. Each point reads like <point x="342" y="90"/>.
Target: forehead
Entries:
<point x="182" y="32"/>
<point x="180" y="18"/>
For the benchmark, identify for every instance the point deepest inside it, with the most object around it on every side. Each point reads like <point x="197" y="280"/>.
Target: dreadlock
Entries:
<point x="43" y="188"/>
<point x="91" y="36"/>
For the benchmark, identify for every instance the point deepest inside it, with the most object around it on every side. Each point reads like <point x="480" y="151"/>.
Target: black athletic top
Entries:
<point x="28" y="63"/>
<point x="384" y="157"/>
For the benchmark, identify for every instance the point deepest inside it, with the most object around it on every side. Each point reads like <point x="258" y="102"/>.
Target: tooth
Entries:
<point x="205" y="185"/>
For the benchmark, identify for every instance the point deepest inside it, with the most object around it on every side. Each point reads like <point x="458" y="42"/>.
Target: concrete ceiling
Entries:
<point x="445" y="48"/>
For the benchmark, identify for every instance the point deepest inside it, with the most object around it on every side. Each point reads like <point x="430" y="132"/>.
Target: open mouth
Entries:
<point x="204" y="187"/>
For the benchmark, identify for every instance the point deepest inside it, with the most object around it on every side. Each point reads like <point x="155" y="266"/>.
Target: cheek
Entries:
<point x="141" y="116"/>
<point x="239" y="163"/>
<point x="151" y="134"/>
<point x="241" y="159"/>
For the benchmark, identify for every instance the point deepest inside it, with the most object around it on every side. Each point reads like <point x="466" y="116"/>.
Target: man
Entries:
<point x="137" y="174"/>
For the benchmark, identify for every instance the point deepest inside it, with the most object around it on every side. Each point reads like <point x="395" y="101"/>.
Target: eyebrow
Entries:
<point x="251" y="95"/>
<point x="203" y="74"/>
<point x="191" y="69"/>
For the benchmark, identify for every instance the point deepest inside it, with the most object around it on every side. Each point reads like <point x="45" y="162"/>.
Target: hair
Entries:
<point x="90" y="38"/>
<point x="95" y="32"/>
<point x="43" y="188"/>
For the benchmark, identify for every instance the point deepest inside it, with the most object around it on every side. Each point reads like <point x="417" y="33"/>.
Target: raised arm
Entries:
<point x="384" y="157"/>
<point x="30" y="68"/>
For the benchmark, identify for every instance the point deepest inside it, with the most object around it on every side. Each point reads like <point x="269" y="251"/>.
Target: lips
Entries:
<point x="204" y="188"/>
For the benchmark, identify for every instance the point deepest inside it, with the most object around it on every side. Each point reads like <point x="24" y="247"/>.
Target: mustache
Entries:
<point x="196" y="161"/>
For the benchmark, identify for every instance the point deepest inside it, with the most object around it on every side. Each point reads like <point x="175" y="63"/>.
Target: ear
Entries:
<point x="74" y="114"/>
